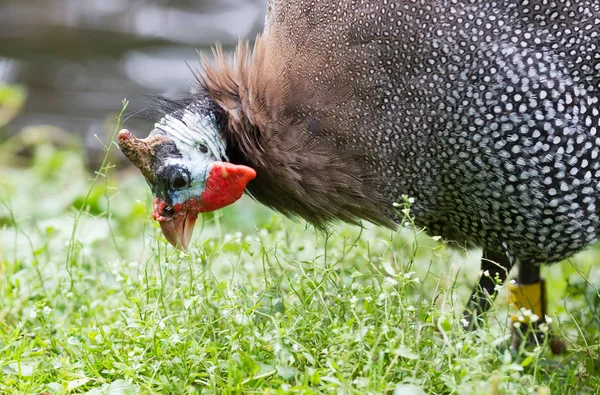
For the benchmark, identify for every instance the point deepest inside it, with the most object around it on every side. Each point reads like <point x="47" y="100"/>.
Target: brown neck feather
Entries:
<point x="301" y="171"/>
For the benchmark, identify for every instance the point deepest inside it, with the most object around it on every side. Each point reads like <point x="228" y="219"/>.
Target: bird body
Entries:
<point x="485" y="112"/>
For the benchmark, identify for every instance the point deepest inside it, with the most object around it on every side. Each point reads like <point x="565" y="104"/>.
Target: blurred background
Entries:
<point x="77" y="236"/>
<point x="69" y="63"/>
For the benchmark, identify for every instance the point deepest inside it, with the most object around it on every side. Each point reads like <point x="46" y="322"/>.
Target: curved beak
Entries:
<point x="179" y="229"/>
<point x="177" y="226"/>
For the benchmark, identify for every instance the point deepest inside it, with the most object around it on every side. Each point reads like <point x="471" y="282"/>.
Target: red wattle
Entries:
<point x="225" y="184"/>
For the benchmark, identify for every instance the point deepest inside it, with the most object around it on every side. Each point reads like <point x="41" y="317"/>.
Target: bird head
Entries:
<point x="185" y="163"/>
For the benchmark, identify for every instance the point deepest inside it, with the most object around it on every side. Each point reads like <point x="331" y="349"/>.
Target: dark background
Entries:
<point x="78" y="59"/>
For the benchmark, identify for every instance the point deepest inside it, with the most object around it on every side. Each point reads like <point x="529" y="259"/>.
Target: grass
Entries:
<point x="94" y="301"/>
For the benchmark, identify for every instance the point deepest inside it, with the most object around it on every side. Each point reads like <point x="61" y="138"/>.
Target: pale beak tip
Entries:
<point x="178" y="231"/>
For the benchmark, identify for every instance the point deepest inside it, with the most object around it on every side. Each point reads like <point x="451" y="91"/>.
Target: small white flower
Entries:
<point x="507" y="358"/>
<point x="98" y="338"/>
<point x="47" y="310"/>
<point x="464" y="322"/>
<point x="396" y="205"/>
<point x="389" y="282"/>
<point x="526" y="312"/>
<point x="486" y="273"/>
<point x="241" y="318"/>
<point x="517" y="324"/>
<point x="32" y="314"/>
<point x="409" y="274"/>
<point x="411" y="200"/>
<point x="548" y="319"/>
<point x="534" y="318"/>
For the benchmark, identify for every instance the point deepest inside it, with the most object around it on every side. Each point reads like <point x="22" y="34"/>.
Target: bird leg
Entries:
<point x="527" y="296"/>
<point x="494" y="267"/>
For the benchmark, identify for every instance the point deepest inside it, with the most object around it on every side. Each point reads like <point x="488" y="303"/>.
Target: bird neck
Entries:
<point x="300" y="171"/>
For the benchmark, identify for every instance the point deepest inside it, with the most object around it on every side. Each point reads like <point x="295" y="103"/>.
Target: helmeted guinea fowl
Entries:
<point x="485" y="112"/>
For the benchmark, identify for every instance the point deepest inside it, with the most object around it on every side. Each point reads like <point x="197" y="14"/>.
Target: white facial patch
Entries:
<point x="192" y="130"/>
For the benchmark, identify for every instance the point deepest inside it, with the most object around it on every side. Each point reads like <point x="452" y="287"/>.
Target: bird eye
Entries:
<point x="203" y="148"/>
<point x="177" y="178"/>
<point x="173" y="178"/>
<point x="179" y="182"/>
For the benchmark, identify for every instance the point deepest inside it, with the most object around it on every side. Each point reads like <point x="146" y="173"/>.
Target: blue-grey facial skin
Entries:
<point x="184" y="166"/>
<point x="174" y="184"/>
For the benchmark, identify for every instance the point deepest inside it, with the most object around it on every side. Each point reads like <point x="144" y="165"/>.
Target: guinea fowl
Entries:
<point x="485" y="112"/>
